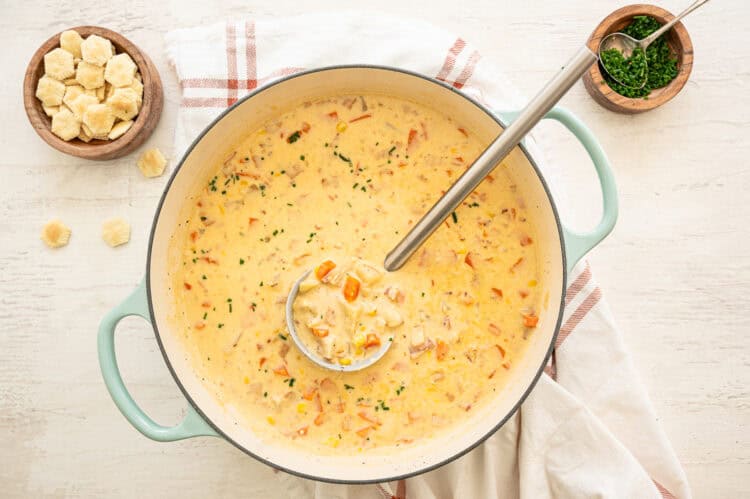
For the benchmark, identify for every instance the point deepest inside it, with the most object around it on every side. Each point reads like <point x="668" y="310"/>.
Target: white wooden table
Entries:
<point x="676" y="271"/>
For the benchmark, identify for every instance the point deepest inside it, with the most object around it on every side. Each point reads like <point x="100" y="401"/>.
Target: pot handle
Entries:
<point x="193" y="425"/>
<point x="577" y="244"/>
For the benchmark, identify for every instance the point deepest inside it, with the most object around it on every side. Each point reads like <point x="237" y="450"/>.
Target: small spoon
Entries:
<point x="291" y="326"/>
<point x="626" y="44"/>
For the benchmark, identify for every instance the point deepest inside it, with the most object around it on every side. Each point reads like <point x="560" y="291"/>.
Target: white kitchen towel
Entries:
<point x="588" y="428"/>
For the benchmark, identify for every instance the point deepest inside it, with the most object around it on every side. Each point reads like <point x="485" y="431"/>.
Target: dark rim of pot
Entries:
<point x="280" y="466"/>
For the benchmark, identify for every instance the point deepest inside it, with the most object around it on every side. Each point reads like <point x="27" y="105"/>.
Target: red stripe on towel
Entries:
<point x="468" y="70"/>
<point x="251" y="60"/>
<point x="231" y="64"/>
<point x="581" y="281"/>
<point x="577" y="316"/>
<point x="450" y="59"/>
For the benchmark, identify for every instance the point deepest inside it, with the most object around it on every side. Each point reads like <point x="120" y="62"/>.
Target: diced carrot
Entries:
<point x="412" y="137"/>
<point x="324" y="268"/>
<point x="194" y="235"/>
<point x="500" y="349"/>
<point x="351" y="289"/>
<point x="506" y="365"/>
<point x="253" y="176"/>
<point x="199" y="325"/>
<point x="281" y="371"/>
<point x="319" y="332"/>
<point x="359" y="118"/>
<point x="463" y="132"/>
<point x="368" y="418"/>
<point x="515" y="265"/>
<point x="424" y="130"/>
<point x="442" y="350"/>
<point x="302" y="431"/>
<point x="251" y="220"/>
<point x="493" y="329"/>
<point x="188" y="286"/>
<point x="199" y="204"/>
<point x="498" y="292"/>
<point x="310" y="393"/>
<point x="526" y="240"/>
<point x="363" y="432"/>
<point x="372" y="340"/>
<point x="530" y="320"/>
<point x="208" y="259"/>
<point x="334" y="115"/>
<point x="319" y="419"/>
<point x="262" y="361"/>
<point x="468" y="260"/>
<point x="318" y="403"/>
<point x="490" y="178"/>
<point x="523" y="293"/>
<point x="305" y="127"/>
<point x="206" y="304"/>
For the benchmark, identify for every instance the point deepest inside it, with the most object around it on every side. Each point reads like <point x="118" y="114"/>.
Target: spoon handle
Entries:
<point x="656" y="34"/>
<point x="491" y="157"/>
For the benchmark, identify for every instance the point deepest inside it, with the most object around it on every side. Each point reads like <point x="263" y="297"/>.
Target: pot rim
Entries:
<point x="281" y="467"/>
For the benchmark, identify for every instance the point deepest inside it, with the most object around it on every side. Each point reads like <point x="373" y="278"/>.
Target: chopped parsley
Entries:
<point x="455" y="217"/>
<point x="294" y="137"/>
<point x="348" y="387"/>
<point x="242" y="261"/>
<point x="280" y="335"/>
<point x="290" y="382"/>
<point x="391" y="150"/>
<point x="400" y="389"/>
<point x="381" y="405"/>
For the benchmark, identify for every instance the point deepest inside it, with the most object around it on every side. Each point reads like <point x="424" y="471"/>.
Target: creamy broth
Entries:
<point x="343" y="179"/>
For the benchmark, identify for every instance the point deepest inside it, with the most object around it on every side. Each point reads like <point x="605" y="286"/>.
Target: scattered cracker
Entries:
<point x="152" y="163"/>
<point x="55" y="234"/>
<point x="115" y="232"/>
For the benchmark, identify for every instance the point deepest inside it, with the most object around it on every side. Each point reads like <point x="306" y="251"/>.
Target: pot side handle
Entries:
<point x="577" y="244"/>
<point x="192" y="425"/>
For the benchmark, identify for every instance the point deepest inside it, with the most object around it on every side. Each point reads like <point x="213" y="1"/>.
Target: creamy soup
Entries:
<point x="341" y="180"/>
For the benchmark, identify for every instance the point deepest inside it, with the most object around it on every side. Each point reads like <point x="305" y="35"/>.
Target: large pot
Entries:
<point x="559" y="249"/>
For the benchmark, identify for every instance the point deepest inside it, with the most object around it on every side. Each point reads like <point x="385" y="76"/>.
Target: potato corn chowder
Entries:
<point x="341" y="180"/>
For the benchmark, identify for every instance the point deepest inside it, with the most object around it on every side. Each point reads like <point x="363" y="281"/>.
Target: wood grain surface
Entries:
<point x="676" y="270"/>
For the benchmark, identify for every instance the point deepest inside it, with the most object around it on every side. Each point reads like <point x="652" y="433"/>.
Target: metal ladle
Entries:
<point x="466" y="183"/>
<point x="291" y="326"/>
<point x="626" y="44"/>
<point x="490" y="158"/>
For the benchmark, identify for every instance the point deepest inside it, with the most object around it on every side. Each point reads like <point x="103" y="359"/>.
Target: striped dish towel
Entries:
<point x="588" y="428"/>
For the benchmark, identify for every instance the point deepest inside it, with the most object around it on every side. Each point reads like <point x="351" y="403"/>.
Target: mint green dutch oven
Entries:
<point x="560" y="248"/>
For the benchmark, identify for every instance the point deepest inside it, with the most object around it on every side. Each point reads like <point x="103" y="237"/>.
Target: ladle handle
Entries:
<point x="491" y="157"/>
<point x="656" y="34"/>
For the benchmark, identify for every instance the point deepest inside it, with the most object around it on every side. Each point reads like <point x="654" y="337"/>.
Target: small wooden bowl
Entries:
<point x="145" y="122"/>
<point x="678" y="41"/>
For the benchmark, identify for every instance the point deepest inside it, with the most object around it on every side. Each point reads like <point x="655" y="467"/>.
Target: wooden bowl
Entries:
<point x="678" y="41"/>
<point x="145" y="122"/>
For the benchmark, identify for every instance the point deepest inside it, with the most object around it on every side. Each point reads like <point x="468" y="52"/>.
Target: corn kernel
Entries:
<point x="262" y="131"/>
<point x="246" y="380"/>
<point x="345" y="362"/>
<point x="301" y="408"/>
<point x="270" y="420"/>
<point x="341" y="126"/>
<point x="532" y="283"/>
<point x="221" y="209"/>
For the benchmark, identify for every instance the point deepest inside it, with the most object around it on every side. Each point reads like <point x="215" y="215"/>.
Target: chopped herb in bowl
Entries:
<point x="661" y="63"/>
